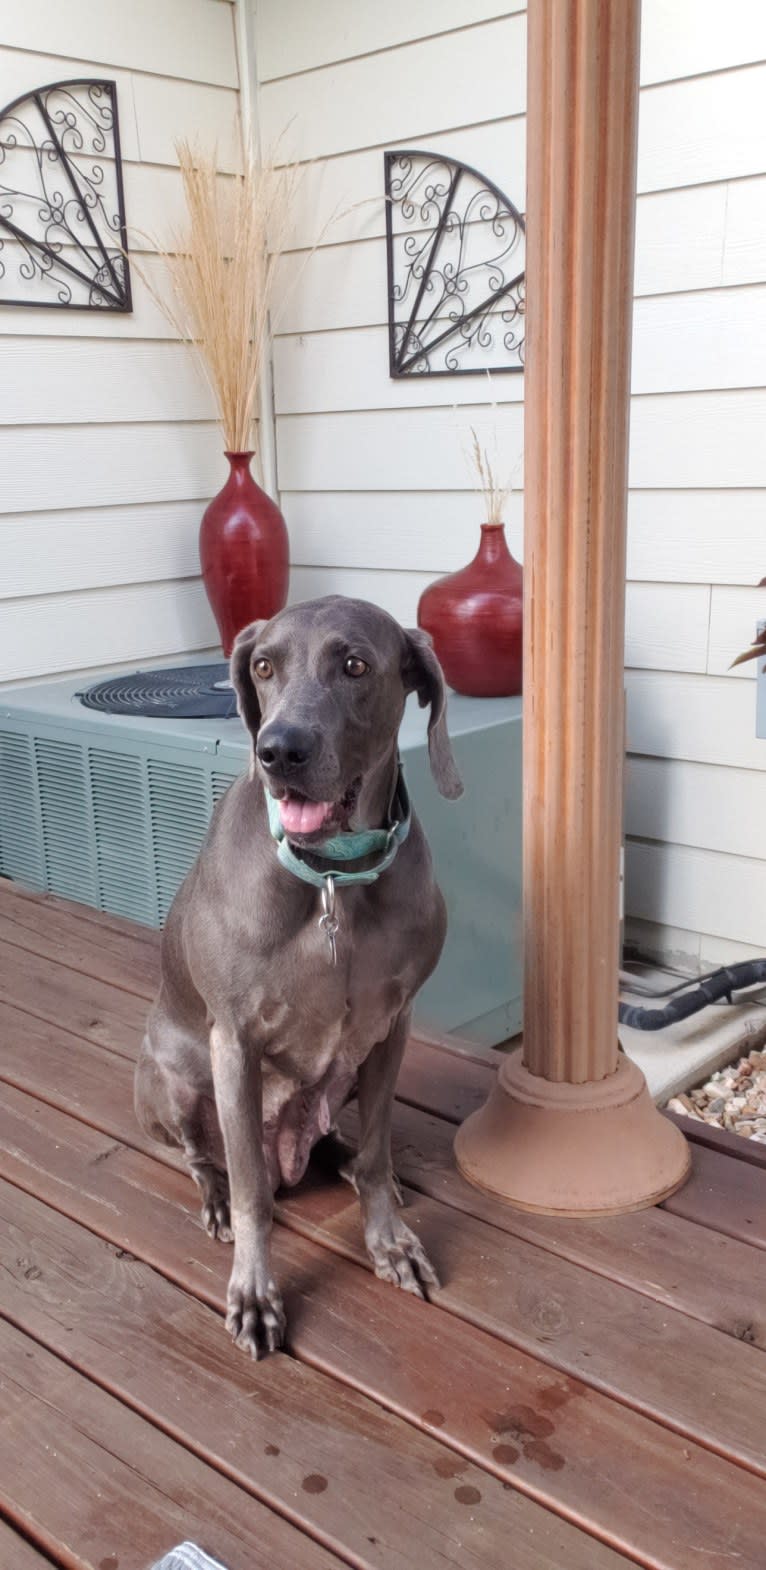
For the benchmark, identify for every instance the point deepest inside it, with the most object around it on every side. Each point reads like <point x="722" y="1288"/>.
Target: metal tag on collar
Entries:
<point x="328" y="920"/>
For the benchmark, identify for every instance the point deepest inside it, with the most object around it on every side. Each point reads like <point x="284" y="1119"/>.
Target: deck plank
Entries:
<point x="528" y="1300"/>
<point x="346" y="1323"/>
<point x="108" y="956"/>
<point x="589" y="1327"/>
<point x="444" y="1076"/>
<point x="71" y="1072"/>
<point x="103" y="920"/>
<point x="454" y="1089"/>
<point x="379" y="1485"/>
<point x="592" y="1328"/>
<point x="726" y="1195"/>
<point x="94" y="1010"/>
<point x="16" y="1553"/>
<point x="650" y="1252"/>
<point x="722" y="1139"/>
<point x="97" y="1486"/>
<point x="726" y="1191"/>
<point x="448" y="1084"/>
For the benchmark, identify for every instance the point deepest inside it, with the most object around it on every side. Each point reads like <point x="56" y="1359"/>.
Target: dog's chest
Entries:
<point x="320" y="1030"/>
<point x="319" y="1011"/>
<point x="311" y="1012"/>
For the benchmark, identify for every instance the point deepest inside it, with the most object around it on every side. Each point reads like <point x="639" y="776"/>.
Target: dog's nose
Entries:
<point x="284" y="748"/>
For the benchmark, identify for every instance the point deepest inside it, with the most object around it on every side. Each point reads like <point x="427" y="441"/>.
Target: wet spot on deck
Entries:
<point x="433" y="1418"/>
<point x="530" y="1431"/>
<point x="271" y="1450"/>
<point x="467" y="1495"/>
<point x="524" y="1422"/>
<point x="505" y="1454"/>
<point x="555" y="1396"/>
<point x="548" y="1459"/>
<point x="111" y="1562"/>
<point x="315" y="1483"/>
<point x="449" y="1466"/>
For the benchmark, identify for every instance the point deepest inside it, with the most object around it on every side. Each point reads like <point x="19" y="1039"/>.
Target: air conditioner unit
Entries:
<point x="111" y="810"/>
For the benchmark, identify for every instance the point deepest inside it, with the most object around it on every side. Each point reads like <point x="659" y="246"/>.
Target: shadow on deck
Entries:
<point x="579" y="1396"/>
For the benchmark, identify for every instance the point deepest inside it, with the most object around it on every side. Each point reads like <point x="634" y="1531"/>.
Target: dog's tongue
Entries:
<point x="302" y="817"/>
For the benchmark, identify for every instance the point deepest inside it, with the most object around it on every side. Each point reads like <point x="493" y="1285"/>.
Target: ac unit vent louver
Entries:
<point x="67" y="821"/>
<point x="21" y="844"/>
<point x="121" y="816"/>
<point x="220" y="784"/>
<point x="180" y="805"/>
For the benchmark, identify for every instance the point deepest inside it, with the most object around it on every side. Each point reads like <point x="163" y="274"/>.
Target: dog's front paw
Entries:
<point x="255" y="1321"/>
<point x="399" y="1257"/>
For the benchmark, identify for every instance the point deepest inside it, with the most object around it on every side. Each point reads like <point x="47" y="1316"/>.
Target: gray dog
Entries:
<point x="296" y="945"/>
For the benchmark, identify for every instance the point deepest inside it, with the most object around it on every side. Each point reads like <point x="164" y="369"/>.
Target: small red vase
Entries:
<point x="475" y="619"/>
<point x="244" y="552"/>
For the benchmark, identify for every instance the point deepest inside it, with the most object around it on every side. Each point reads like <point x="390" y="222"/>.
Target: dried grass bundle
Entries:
<point x="495" y="495"/>
<point x="221" y="266"/>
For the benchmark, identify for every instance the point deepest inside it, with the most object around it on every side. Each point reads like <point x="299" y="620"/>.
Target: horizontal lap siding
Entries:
<point x="190" y="39"/>
<point x="696" y="785"/>
<point x="104" y="626"/>
<point x="452" y="79"/>
<point x="373" y="474"/>
<point x="108" y="444"/>
<point x="101" y="465"/>
<point x="698" y="889"/>
<point x="295" y="37"/>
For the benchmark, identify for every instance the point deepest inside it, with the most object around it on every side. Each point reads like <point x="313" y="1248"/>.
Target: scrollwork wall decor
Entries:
<point x="455" y="250"/>
<point x="62" y="206"/>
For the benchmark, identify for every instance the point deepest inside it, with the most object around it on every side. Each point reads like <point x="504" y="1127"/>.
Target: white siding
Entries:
<point x="108" y="446"/>
<point x="372" y="472"/>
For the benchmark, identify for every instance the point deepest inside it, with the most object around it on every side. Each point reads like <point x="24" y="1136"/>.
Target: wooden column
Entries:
<point x="583" y="111"/>
<point x="570" y="1127"/>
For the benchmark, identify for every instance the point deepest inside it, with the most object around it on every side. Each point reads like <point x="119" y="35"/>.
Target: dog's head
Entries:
<point x="321" y="688"/>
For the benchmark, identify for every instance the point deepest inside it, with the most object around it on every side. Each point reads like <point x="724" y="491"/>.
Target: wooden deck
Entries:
<point x="581" y="1395"/>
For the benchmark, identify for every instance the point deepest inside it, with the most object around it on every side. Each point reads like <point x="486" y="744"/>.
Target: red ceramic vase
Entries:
<point x="244" y="552"/>
<point x="475" y="619"/>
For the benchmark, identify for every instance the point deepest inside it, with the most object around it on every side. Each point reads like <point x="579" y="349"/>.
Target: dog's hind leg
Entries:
<point x="213" y="1185"/>
<point x="332" y="1154"/>
<point x="175" y="1112"/>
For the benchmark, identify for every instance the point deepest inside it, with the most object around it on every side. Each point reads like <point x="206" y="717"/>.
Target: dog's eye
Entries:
<point x="263" y="669"/>
<point x="353" y="666"/>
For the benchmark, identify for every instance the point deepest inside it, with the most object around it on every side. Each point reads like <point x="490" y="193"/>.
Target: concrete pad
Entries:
<point x="685" y="1054"/>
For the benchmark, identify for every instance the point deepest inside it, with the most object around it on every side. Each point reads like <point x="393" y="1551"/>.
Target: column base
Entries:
<point x="596" y="1149"/>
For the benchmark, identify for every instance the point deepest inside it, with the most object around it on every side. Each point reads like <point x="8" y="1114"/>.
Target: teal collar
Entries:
<point x="347" y="847"/>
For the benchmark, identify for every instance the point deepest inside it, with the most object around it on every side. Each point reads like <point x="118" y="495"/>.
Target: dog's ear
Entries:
<point x="422" y="674"/>
<point x="241" y="676"/>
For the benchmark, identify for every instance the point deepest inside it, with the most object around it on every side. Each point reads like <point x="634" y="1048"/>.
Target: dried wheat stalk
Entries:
<point x="220" y="266"/>
<point x="495" y="495"/>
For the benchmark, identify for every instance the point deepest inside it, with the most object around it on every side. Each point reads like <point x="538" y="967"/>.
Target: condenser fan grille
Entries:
<point x="191" y="692"/>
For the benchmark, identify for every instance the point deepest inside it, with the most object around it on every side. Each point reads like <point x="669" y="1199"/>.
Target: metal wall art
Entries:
<point x="62" y="208"/>
<point x="455" y="269"/>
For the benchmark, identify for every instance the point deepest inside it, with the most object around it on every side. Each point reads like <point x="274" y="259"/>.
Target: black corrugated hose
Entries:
<point x="715" y="988"/>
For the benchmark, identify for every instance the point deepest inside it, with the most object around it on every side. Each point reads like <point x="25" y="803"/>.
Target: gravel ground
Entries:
<point x="734" y="1098"/>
